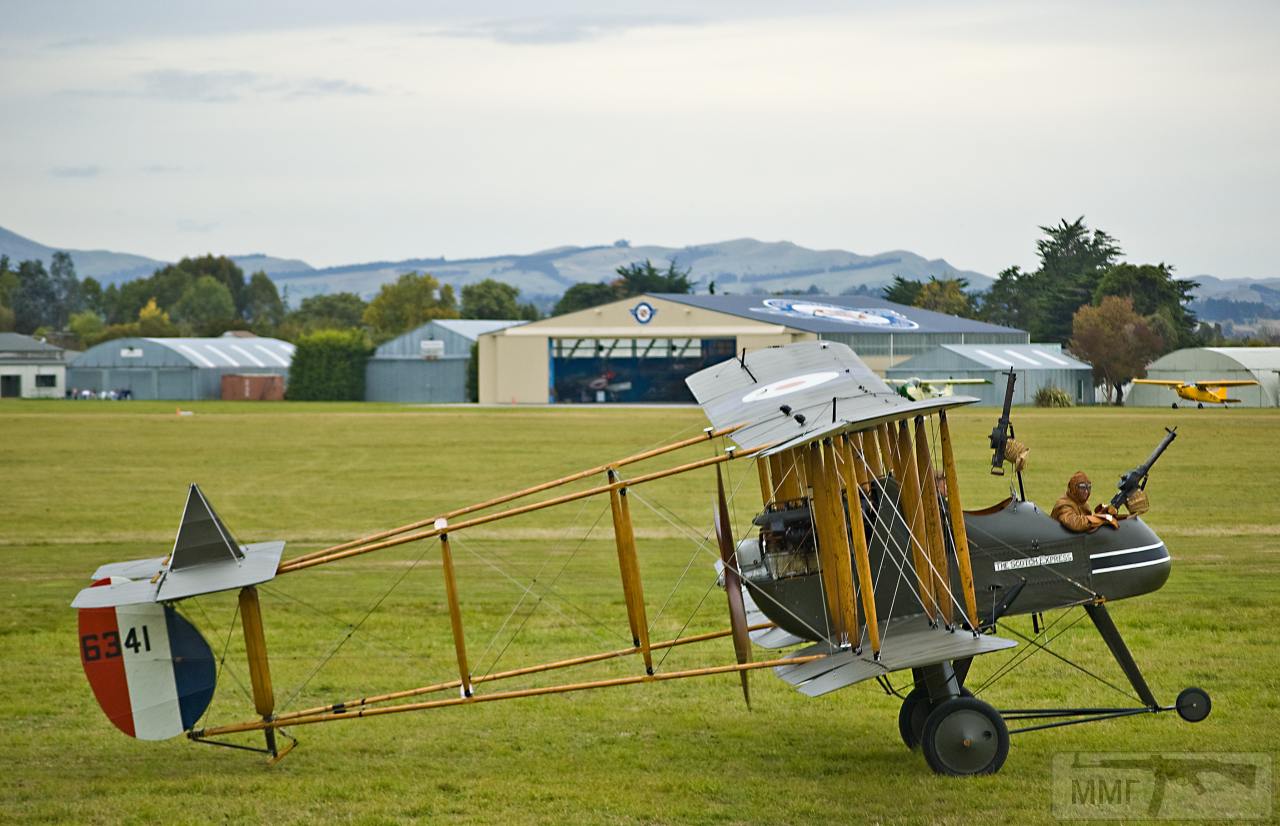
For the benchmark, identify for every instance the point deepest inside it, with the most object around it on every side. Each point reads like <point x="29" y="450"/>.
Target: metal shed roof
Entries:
<point x="1251" y="358"/>
<point x="458" y="334"/>
<point x="837" y="314"/>
<point x="205" y="353"/>
<point x="1020" y="356"/>
<point x="17" y="347"/>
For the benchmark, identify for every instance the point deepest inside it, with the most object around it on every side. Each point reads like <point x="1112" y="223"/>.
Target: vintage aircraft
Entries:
<point x="917" y="389"/>
<point x="862" y="562"/>
<point x="1201" y="392"/>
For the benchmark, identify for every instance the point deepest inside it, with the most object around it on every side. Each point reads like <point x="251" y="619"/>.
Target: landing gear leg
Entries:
<point x="1111" y="635"/>
<point x="920" y="702"/>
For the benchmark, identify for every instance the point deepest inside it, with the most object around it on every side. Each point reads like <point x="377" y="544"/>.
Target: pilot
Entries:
<point x="1072" y="510"/>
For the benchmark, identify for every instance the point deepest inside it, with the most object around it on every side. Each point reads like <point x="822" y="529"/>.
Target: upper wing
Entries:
<point x="1203" y="385"/>
<point x="1166" y="383"/>
<point x="794" y="394"/>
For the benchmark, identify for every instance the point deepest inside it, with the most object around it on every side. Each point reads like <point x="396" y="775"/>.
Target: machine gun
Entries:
<point x="1136" y="479"/>
<point x="1003" y="432"/>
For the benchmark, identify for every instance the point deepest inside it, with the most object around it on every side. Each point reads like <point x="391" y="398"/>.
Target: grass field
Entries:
<point x="85" y="483"/>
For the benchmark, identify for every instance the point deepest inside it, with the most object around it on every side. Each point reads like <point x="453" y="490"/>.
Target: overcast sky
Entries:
<point x="341" y="132"/>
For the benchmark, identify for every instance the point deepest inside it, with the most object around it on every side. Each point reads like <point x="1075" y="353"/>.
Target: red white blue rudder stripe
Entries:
<point x="150" y="669"/>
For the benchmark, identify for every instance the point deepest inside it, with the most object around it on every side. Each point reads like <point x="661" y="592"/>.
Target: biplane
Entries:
<point x="861" y="563"/>
<point x="917" y="389"/>
<point x="1201" y="392"/>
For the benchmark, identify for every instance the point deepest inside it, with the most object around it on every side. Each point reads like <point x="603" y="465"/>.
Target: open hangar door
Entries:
<point x="601" y="370"/>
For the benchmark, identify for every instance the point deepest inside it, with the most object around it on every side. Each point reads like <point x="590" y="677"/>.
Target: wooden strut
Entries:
<point x="959" y="533"/>
<point x="777" y="474"/>
<point x="255" y="645"/>
<point x="861" y="553"/>
<point x="909" y="487"/>
<point x="349" y="705"/>
<point x="504" y="695"/>
<point x="455" y="611"/>
<point x="296" y="565"/>
<point x="766" y="490"/>
<point x="941" y="576"/>
<point x="887" y="450"/>
<point x="629" y="567"/>
<point x="790" y="489"/>
<point x="707" y="435"/>
<point x="833" y="554"/>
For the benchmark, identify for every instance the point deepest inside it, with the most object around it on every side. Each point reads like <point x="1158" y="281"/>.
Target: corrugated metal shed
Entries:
<point x="176" y="368"/>
<point x="1037" y="366"/>
<point x="30" y="368"/>
<point x="427" y="364"/>
<point x="1261" y="364"/>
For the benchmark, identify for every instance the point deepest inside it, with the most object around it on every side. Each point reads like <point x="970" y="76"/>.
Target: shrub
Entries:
<point x="1050" y="396"/>
<point x="329" y="366"/>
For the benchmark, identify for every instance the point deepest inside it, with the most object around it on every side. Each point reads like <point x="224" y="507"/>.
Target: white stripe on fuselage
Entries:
<point x="153" y="689"/>
<point x="1126" y="551"/>
<point x="1164" y="558"/>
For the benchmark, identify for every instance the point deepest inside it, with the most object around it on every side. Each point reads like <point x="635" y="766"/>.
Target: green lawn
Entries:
<point x="87" y="483"/>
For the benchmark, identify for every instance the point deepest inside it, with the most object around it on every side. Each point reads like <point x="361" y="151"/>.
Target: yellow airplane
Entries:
<point x="1201" y="392"/>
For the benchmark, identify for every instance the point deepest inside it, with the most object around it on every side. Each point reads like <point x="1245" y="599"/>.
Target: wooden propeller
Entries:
<point x="732" y="584"/>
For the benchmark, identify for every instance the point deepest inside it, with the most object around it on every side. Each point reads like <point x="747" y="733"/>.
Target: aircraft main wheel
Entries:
<point x="1200" y="405"/>
<point x="965" y="736"/>
<point x="1174" y="405"/>
<point x="914" y="712"/>
<point x="1193" y="704"/>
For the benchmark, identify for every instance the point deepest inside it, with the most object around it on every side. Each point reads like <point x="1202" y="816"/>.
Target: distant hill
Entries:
<point x="739" y="266"/>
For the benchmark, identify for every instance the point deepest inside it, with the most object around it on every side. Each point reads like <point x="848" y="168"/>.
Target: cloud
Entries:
<point x="191" y="225"/>
<point x="226" y="86"/>
<point x="86" y="171"/>
<point x="556" y="30"/>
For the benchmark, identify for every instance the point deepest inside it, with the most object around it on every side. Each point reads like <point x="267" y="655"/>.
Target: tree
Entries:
<point x="490" y="299"/>
<point x="8" y="282"/>
<point x="206" y="305"/>
<point x="154" y="322"/>
<point x="1157" y="294"/>
<point x="91" y="295"/>
<point x="408" y="302"/>
<point x="1117" y="341"/>
<point x="87" y="327"/>
<point x="35" y="302"/>
<point x="1011" y="300"/>
<point x="637" y="278"/>
<point x="946" y="295"/>
<point x="902" y="291"/>
<point x="7" y="319"/>
<point x="329" y="366"/>
<point x="584" y="295"/>
<point x="333" y="311"/>
<point x="66" y="286"/>
<point x="263" y="307"/>
<point x="1072" y="261"/>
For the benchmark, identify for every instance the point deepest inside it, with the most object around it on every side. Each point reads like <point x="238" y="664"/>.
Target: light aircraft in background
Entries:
<point x="858" y="560"/>
<point x="918" y="389"/>
<point x="1201" y="392"/>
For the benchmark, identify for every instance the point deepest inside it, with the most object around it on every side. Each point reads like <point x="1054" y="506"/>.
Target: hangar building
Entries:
<point x="177" y="368"/>
<point x="428" y="364"/>
<point x="1190" y="364"/>
<point x="30" y="368"/>
<point x="640" y="349"/>
<point x="1036" y="365"/>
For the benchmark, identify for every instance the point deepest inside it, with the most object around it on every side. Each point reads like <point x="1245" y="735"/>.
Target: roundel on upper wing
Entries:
<point x="792" y="384"/>
<point x="149" y="668"/>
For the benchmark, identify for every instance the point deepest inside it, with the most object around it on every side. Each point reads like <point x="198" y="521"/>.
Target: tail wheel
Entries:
<point x="914" y="712"/>
<point x="1193" y="704"/>
<point x="965" y="736"/>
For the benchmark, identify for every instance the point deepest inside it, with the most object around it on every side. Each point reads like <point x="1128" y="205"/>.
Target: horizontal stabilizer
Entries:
<point x="908" y="642"/>
<point x="134" y="569"/>
<point x="258" y="565"/>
